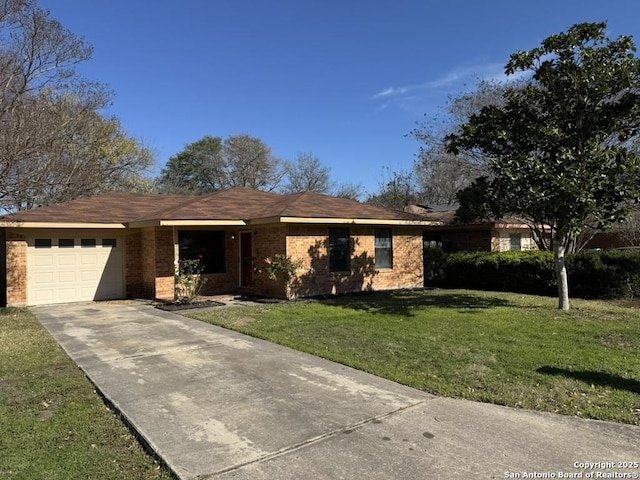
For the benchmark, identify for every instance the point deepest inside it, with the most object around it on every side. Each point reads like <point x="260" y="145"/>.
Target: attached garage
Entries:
<point x="126" y="245"/>
<point x="69" y="267"/>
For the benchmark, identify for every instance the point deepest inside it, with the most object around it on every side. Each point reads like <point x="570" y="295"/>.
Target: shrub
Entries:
<point x="435" y="261"/>
<point x="525" y="272"/>
<point x="604" y="274"/>
<point x="592" y="274"/>
<point x="282" y="267"/>
<point x="188" y="280"/>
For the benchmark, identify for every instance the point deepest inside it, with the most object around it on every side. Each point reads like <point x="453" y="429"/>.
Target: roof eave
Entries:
<point x="339" y="221"/>
<point x="32" y="224"/>
<point x="186" y="223"/>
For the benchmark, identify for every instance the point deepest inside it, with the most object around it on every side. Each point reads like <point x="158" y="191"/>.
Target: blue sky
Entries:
<point x="344" y="80"/>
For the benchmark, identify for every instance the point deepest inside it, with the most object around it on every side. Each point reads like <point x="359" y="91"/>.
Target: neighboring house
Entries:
<point x="620" y="235"/>
<point x="123" y="245"/>
<point x="491" y="236"/>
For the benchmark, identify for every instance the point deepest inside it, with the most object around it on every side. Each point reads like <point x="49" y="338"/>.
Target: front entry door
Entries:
<point x="246" y="259"/>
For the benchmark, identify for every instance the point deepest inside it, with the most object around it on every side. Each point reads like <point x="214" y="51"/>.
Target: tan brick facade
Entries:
<point x="154" y="270"/>
<point x="150" y="254"/>
<point x="309" y="246"/>
<point x="134" y="265"/>
<point x="16" y="269"/>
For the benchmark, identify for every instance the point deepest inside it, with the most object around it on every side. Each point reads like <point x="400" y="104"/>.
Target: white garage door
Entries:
<point x="74" y="269"/>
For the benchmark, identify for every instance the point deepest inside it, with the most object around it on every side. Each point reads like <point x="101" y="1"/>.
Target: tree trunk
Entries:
<point x="559" y="249"/>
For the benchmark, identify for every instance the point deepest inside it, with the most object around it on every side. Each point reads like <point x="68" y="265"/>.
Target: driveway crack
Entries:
<point x="297" y="446"/>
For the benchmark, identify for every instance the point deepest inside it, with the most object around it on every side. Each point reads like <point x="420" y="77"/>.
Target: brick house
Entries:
<point x="489" y="236"/>
<point x="122" y="245"/>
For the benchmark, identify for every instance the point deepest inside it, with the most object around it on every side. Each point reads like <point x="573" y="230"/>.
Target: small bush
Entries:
<point x="188" y="280"/>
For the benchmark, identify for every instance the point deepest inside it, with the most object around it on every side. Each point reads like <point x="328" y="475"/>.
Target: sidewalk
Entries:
<point x="217" y="404"/>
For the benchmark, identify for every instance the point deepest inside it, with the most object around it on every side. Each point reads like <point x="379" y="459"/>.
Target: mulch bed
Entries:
<point x="173" y="307"/>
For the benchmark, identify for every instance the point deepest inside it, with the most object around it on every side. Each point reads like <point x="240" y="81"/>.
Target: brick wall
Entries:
<point x="147" y="261"/>
<point x="267" y="242"/>
<point x="164" y="263"/>
<point x="156" y="259"/>
<point x="407" y="271"/>
<point x="133" y="265"/>
<point x="16" y="269"/>
<point x="309" y="245"/>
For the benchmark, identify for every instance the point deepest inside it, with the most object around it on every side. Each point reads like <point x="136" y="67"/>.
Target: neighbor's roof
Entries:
<point x="236" y="206"/>
<point x="444" y="216"/>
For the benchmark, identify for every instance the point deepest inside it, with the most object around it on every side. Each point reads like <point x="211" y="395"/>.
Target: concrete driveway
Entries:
<point x="217" y="404"/>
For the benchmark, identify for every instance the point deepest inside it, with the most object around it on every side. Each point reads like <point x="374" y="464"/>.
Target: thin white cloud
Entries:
<point x="388" y="92"/>
<point x="453" y="81"/>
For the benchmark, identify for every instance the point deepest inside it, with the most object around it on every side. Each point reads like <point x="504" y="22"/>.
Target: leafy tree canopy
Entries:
<point x="212" y="164"/>
<point x="561" y="149"/>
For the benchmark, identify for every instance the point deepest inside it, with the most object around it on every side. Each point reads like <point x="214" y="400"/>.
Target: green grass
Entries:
<point x="53" y="424"/>
<point x="508" y="349"/>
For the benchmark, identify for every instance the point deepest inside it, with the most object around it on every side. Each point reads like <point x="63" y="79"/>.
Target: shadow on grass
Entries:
<point x="404" y="301"/>
<point x="595" y="378"/>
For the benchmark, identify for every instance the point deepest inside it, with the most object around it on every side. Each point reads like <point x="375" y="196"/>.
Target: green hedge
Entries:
<point x="604" y="274"/>
<point x="592" y="274"/>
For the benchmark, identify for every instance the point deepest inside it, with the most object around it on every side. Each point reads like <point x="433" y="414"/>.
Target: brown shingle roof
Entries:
<point x="238" y="203"/>
<point x="318" y="205"/>
<point x="107" y="208"/>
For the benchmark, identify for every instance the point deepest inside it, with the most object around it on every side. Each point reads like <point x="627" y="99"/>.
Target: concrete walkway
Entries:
<point x="217" y="404"/>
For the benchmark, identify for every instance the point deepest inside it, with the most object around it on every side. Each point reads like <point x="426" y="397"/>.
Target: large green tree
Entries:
<point x="249" y="162"/>
<point x="199" y="168"/>
<point x="212" y="164"/>
<point x="560" y="149"/>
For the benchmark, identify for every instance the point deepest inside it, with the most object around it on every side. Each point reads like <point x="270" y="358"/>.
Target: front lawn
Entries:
<point x="53" y="424"/>
<point x="508" y="349"/>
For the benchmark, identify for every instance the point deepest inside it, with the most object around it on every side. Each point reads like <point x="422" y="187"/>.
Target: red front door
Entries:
<point x="246" y="259"/>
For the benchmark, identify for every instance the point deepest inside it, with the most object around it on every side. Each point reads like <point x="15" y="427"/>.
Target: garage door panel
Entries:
<point x="43" y="260"/>
<point x="44" y="279"/>
<point x="74" y="273"/>
<point x="88" y="259"/>
<point x="66" y="259"/>
<point x="89" y="276"/>
<point x="44" y="296"/>
<point x="67" y="277"/>
<point x="67" y="294"/>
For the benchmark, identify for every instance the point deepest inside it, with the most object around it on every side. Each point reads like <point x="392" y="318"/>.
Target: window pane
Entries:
<point x="109" y="242"/>
<point x="515" y="241"/>
<point x="66" y="243"/>
<point x="43" y="243"/>
<point x="339" y="250"/>
<point x="384" y="248"/>
<point x="383" y="238"/>
<point x="206" y="245"/>
<point x="88" y="242"/>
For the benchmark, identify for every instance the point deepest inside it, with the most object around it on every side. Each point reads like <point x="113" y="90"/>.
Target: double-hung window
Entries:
<point x="339" y="250"/>
<point x="384" y="248"/>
